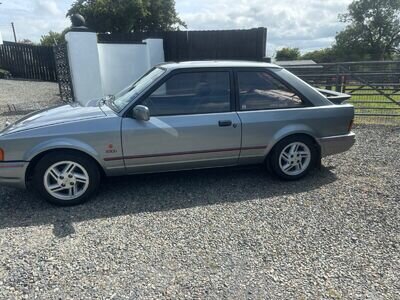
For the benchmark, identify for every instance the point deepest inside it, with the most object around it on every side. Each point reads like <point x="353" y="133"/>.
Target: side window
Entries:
<point x="191" y="93"/>
<point x="259" y="90"/>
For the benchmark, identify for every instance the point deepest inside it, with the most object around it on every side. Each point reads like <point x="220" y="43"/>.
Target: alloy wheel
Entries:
<point x="66" y="180"/>
<point x="295" y="159"/>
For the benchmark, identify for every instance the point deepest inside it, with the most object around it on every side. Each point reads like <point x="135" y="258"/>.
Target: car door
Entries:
<point x="192" y="124"/>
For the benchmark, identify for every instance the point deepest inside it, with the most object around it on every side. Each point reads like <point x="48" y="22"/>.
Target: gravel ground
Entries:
<point x="216" y="234"/>
<point x="23" y="95"/>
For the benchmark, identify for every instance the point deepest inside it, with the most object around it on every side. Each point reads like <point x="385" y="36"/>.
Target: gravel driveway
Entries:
<point x="21" y="96"/>
<point x="216" y="234"/>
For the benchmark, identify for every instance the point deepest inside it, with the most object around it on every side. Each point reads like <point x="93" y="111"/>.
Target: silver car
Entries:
<point x="178" y="116"/>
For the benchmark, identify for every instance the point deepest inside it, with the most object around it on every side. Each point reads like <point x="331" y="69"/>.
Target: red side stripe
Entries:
<point x="184" y="153"/>
<point x="11" y="166"/>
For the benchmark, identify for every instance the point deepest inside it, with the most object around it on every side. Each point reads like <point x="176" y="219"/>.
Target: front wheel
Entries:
<point x="66" y="178"/>
<point x="294" y="157"/>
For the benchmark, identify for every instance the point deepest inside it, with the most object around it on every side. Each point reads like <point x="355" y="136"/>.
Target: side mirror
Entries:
<point x="141" y="113"/>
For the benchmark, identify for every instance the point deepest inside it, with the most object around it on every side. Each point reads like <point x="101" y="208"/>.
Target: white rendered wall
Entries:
<point x="121" y="64"/>
<point x="84" y="65"/>
<point x="98" y="70"/>
<point x="155" y="49"/>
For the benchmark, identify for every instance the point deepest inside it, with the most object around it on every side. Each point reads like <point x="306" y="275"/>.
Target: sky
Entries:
<point x="305" y="24"/>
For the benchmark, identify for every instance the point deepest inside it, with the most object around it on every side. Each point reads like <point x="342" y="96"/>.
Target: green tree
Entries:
<point x="125" y="16"/>
<point x="373" y="30"/>
<point x="326" y="55"/>
<point x="348" y="48"/>
<point x="288" y="54"/>
<point x="52" y="38"/>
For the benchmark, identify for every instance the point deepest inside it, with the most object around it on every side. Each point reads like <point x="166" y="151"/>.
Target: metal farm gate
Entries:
<point x="374" y="86"/>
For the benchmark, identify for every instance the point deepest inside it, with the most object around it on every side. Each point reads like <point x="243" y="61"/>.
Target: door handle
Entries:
<point x="225" y="123"/>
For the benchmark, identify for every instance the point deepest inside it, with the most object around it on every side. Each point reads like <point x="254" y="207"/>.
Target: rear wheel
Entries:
<point x="66" y="178"/>
<point x="294" y="157"/>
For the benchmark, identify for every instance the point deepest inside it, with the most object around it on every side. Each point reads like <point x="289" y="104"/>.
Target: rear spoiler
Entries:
<point x="334" y="97"/>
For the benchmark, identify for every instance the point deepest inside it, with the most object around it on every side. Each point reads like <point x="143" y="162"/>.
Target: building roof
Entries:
<point x="217" y="64"/>
<point x="297" y="63"/>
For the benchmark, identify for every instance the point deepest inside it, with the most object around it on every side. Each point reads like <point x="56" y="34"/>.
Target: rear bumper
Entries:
<point x="336" y="144"/>
<point x="13" y="174"/>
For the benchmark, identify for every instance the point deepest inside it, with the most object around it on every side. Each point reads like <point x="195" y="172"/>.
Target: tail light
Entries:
<point x="1" y="154"/>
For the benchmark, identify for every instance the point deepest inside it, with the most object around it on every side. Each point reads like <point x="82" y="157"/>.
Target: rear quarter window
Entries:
<point x="258" y="90"/>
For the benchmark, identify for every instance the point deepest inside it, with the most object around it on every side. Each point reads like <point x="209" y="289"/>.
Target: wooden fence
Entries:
<point x="202" y="45"/>
<point x="374" y="86"/>
<point x="28" y="61"/>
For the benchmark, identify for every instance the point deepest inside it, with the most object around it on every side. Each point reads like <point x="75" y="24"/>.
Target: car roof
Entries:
<point x="217" y="64"/>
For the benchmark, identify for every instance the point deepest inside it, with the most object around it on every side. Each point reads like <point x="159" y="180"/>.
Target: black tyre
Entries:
<point x="66" y="178"/>
<point x="293" y="157"/>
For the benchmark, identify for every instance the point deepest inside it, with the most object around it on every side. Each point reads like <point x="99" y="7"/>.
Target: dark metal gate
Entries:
<point x="374" y="86"/>
<point x="63" y="72"/>
<point x="28" y="61"/>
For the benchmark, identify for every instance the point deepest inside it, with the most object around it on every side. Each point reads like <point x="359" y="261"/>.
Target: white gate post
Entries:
<point x="155" y="50"/>
<point x="84" y="64"/>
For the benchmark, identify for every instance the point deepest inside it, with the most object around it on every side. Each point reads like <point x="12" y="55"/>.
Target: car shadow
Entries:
<point x="131" y="195"/>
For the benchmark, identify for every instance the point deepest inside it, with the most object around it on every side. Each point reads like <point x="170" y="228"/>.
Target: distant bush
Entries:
<point x="4" y="74"/>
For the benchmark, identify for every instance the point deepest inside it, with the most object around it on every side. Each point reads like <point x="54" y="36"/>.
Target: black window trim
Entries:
<point x="189" y="70"/>
<point x="236" y="70"/>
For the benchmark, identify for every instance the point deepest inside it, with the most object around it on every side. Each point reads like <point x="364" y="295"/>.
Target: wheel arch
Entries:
<point x="290" y="132"/>
<point x="38" y="156"/>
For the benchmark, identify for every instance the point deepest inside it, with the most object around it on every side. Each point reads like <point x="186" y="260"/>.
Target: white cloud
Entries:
<point x="48" y="6"/>
<point x="32" y="19"/>
<point x="307" y="24"/>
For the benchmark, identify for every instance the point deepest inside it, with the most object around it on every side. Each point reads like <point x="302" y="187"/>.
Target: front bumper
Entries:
<point x="13" y="174"/>
<point x="336" y="144"/>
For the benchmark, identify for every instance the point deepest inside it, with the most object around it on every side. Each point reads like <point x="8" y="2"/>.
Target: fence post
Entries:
<point x="337" y="89"/>
<point x="344" y="83"/>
